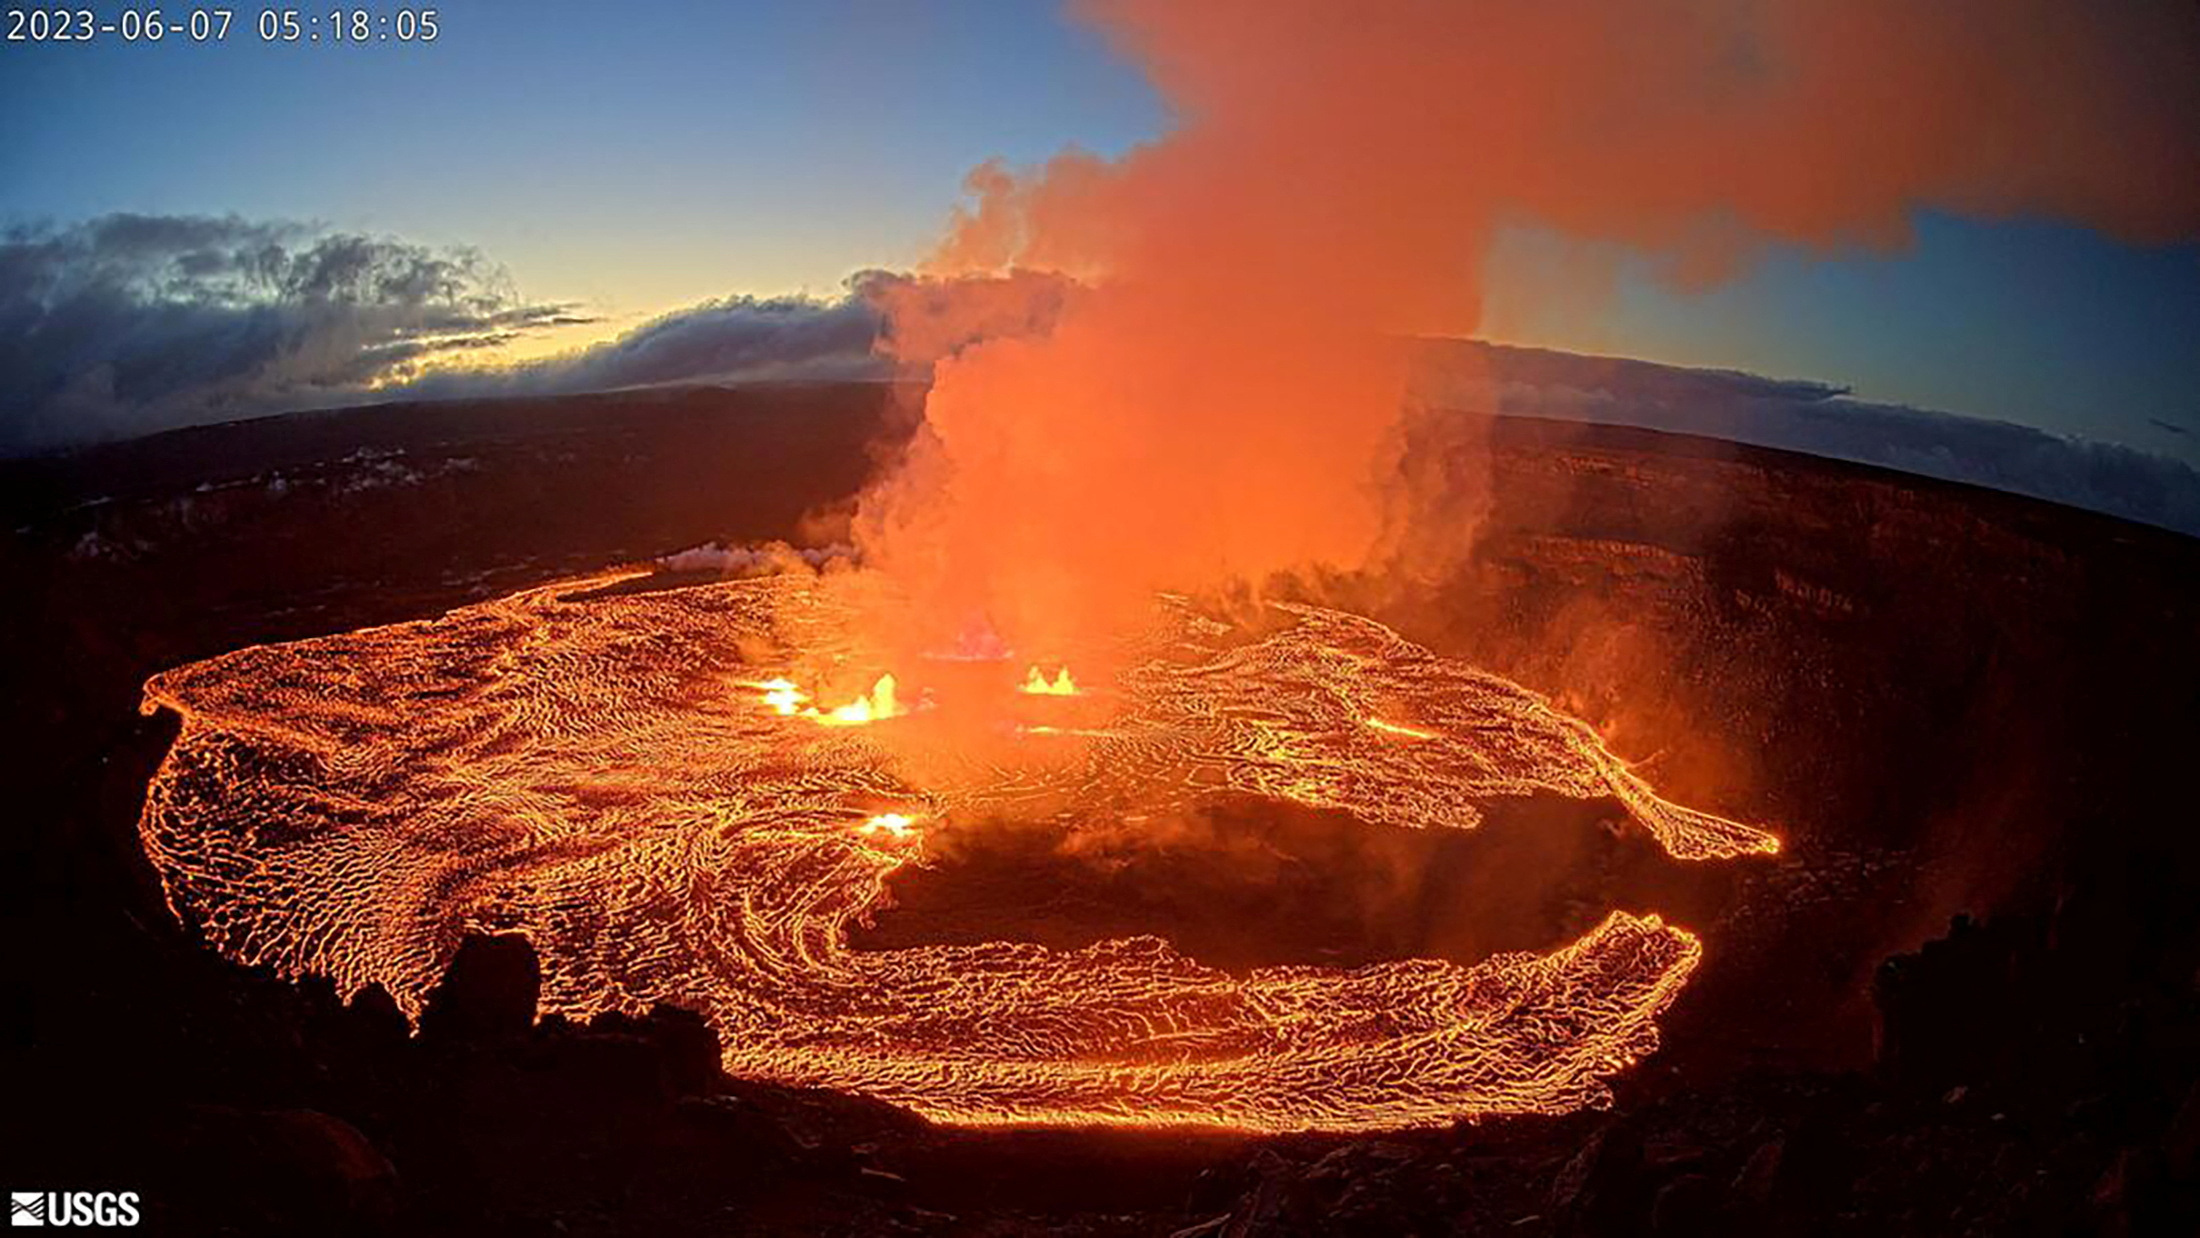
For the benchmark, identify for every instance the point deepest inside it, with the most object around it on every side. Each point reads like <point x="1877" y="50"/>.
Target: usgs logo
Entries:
<point x="98" y="1208"/>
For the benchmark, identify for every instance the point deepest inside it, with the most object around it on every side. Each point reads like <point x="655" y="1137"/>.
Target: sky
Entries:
<point x="635" y="159"/>
<point x="641" y="157"/>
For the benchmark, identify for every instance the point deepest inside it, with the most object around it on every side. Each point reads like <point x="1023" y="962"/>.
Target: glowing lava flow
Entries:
<point x="1037" y="684"/>
<point x="598" y="772"/>
<point x="790" y="701"/>
<point x="899" y="826"/>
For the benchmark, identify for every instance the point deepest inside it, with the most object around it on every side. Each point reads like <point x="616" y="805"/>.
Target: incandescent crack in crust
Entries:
<point x="598" y="773"/>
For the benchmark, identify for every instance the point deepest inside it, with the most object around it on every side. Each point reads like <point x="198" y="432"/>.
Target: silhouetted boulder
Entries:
<point x="374" y="1018"/>
<point x="682" y="1045"/>
<point x="690" y="1047"/>
<point x="607" y="1072"/>
<point x="489" y="992"/>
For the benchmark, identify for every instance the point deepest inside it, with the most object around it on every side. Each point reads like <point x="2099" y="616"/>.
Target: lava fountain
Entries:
<point x="637" y="782"/>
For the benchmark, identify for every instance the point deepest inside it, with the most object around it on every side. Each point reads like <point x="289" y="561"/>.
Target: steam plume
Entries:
<point x="1219" y="399"/>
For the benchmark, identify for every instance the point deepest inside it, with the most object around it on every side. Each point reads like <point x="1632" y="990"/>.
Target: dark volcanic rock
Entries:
<point x="489" y="992"/>
<point x="375" y="1019"/>
<point x="1604" y="1188"/>
<point x="682" y="1045"/>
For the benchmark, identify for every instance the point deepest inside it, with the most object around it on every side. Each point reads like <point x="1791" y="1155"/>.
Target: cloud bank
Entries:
<point x="1813" y="418"/>
<point x="127" y="324"/>
<point x="886" y="323"/>
<point x="738" y="338"/>
<point x="131" y="324"/>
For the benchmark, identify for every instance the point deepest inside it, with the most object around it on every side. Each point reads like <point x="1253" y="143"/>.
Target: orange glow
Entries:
<point x="1395" y="729"/>
<point x="345" y="805"/>
<point x="790" y="701"/>
<point x="879" y="704"/>
<point x="783" y="696"/>
<point x="1083" y="732"/>
<point x="1037" y="684"/>
<point x="900" y="827"/>
<point x="1220" y="397"/>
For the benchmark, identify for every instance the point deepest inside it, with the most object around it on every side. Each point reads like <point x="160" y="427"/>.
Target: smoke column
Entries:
<point x="1219" y="398"/>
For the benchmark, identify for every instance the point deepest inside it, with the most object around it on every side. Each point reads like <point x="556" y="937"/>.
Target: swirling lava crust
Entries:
<point x="598" y="771"/>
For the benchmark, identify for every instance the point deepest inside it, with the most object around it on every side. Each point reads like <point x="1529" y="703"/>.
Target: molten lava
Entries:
<point x="876" y="705"/>
<point x="587" y="769"/>
<point x="1393" y="728"/>
<point x="790" y="701"/>
<point x="1037" y="684"/>
<point x="897" y="826"/>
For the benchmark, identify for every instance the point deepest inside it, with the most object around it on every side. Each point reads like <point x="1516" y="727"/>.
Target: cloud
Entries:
<point x="920" y="320"/>
<point x="738" y="338"/>
<point x="127" y="323"/>
<point x="1813" y="418"/>
<point x="130" y="324"/>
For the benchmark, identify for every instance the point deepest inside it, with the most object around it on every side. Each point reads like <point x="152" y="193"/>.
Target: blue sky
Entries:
<point x="643" y="157"/>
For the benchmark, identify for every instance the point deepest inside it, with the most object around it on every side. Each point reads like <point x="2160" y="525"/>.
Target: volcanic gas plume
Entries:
<point x="1220" y="397"/>
<point x="636" y="782"/>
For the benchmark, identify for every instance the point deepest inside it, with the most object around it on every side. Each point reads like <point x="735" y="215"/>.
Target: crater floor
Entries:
<point x="603" y="770"/>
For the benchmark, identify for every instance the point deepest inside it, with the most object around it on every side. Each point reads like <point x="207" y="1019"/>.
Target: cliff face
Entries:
<point x="1948" y="699"/>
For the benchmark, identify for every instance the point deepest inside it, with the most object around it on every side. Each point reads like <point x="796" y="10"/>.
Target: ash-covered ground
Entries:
<point x="1951" y="703"/>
